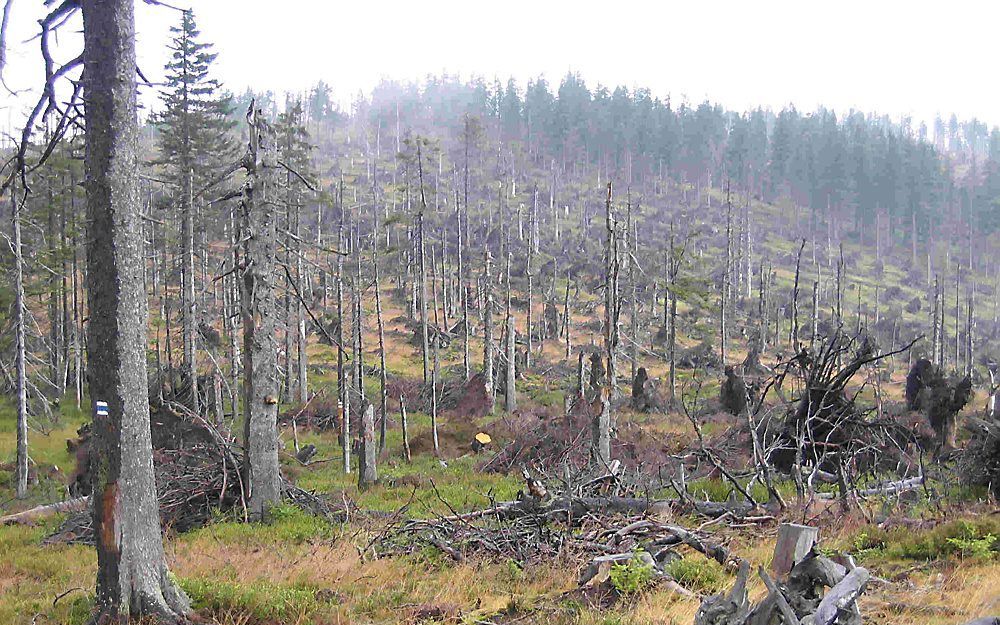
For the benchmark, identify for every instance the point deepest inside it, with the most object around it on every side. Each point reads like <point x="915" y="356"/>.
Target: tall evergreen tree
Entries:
<point x="194" y="144"/>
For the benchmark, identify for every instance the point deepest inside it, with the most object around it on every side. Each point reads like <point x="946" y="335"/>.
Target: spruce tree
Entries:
<point x="195" y="144"/>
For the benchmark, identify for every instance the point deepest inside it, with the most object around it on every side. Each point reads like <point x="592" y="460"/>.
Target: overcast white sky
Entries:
<point x="899" y="58"/>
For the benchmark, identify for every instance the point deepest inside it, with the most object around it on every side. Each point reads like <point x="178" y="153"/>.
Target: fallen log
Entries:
<point x="887" y="488"/>
<point x="43" y="512"/>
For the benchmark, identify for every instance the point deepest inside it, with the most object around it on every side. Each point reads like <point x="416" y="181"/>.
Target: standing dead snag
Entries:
<point x="21" y="472"/>
<point x="343" y="386"/>
<point x="403" y="428"/>
<point x="367" y="472"/>
<point x="601" y="429"/>
<point x="132" y="576"/>
<point x="488" y="355"/>
<point x="424" y="346"/>
<point x="260" y="347"/>
<point x="510" y="396"/>
<point x="383" y="395"/>
<point x="611" y="303"/>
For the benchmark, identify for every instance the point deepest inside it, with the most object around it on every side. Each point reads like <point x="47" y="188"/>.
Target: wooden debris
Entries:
<point x="794" y="542"/>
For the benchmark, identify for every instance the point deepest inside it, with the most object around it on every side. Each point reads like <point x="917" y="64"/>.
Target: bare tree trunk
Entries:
<point x="132" y="576"/>
<point x="21" y="472"/>
<point x="815" y="315"/>
<point x="510" y="396"/>
<point x="528" y="273"/>
<point x="601" y="431"/>
<point x="434" y="402"/>
<point x="795" y="299"/>
<point x="724" y="296"/>
<point x="610" y="295"/>
<point x="383" y="395"/>
<point x="424" y="346"/>
<point x="463" y="288"/>
<point x="188" y="303"/>
<point x="958" y="316"/>
<point x="260" y="345"/>
<point x="488" y="356"/>
<point x="359" y="360"/>
<point x="367" y="472"/>
<point x="566" y="316"/>
<point x="343" y="392"/>
<point x="404" y="428"/>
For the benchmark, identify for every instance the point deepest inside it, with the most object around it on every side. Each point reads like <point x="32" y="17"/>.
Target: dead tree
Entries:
<point x="21" y="382"/>
<point x="675" y="260"/>
<point x="188" y="302"/>
<point x="601" y="429"/>
<point x="566" y="316"/>
<point x="611" y="303"/>
<point x="795" y="299"/>
<point x="424" y="346"/>
<point x="529" y="275"/>
<point x="510" y="396"/>
<point x="259" y="311"/>
<point x="404" y="428"/>
<point x="367" y="472"/>
<point x="434" y="400"/>
<point x="489" y="359"/>
<point x="343" y="386"/>
<point x="383" y="394"/>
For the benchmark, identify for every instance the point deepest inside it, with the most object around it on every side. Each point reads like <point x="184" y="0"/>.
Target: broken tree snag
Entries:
<point x="601" y="430"/>
<point x="367" y="473"/>
<point x="793" y="544"/>
<point x="403" y="428"/>
<point x="260" y="346"/>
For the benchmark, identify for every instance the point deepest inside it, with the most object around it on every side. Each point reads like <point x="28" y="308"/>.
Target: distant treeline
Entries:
<point x="859" y="164"/>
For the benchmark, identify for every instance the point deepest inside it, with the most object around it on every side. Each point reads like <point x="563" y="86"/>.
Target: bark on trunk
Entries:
<point x="21" y="472"/>
<point x="260" y="345"/>
<point x="367" y="472"/>
<point x="132" y="577"/>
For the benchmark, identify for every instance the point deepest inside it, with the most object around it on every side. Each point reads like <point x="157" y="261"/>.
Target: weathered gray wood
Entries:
<point x="20" y="310"/>
<point x="794" y="542"/>
<point x="841" y="597"/>
<point x="730" y="609"/>
<point x="367" y="472"/>
<point x="260" y="345"/>
<point x="787" y="614"/>
<point x="43" y="512"/>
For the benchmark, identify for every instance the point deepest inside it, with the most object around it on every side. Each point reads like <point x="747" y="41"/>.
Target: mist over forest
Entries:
<point x="485" y="351"/>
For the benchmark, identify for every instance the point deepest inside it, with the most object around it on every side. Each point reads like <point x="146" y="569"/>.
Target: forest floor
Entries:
<point x="302" y="569"/>
<point x="936" y="563"/>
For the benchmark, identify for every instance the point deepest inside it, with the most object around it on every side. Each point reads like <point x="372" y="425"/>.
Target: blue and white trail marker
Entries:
<point x="101" y="408"/>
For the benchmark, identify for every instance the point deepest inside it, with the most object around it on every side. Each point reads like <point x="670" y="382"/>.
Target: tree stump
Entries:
<point x="793" y="544"/>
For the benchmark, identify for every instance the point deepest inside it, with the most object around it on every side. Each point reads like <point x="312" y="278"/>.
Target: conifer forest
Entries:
<point x="483" y="351"/>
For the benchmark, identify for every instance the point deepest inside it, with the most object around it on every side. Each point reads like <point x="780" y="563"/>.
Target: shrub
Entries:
<point x="632" y="576"/>
<point x="700" y="575"/>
